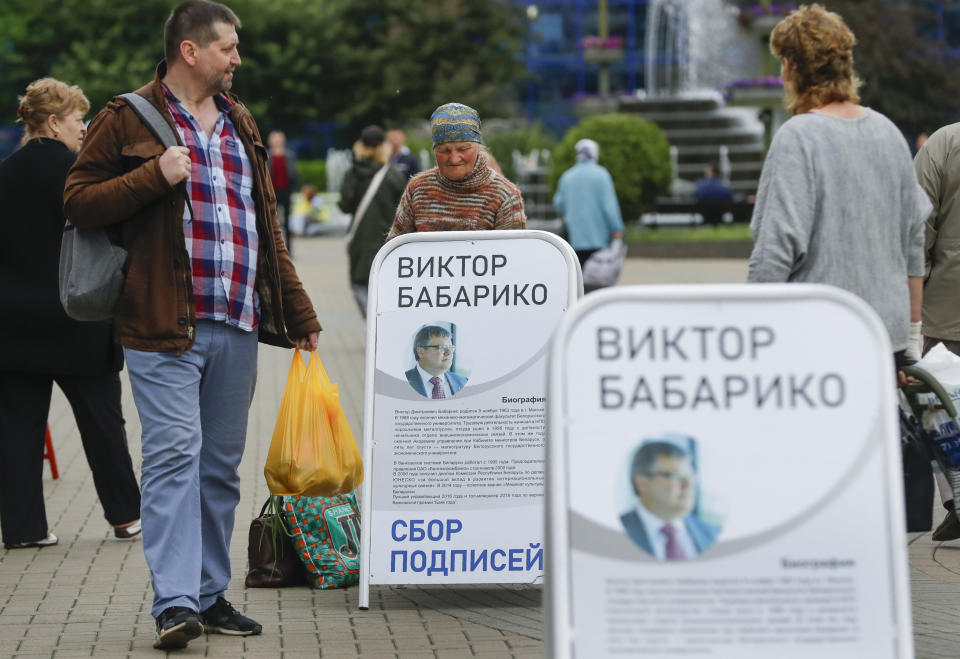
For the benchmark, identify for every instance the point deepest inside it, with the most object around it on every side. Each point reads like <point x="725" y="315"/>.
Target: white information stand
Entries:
<point x="454" y="486"/>
<point x="760" y="422"/>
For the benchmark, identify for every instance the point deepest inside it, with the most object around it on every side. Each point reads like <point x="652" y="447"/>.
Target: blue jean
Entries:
<point x="193" y="410"/>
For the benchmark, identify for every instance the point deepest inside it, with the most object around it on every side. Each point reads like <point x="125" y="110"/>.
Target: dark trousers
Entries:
<point x="283" y="202"/>
<point x="24" y="405"/>
<point x="584" y="254"/>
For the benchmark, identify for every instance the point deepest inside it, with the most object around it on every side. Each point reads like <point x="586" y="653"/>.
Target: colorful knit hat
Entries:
<point x="455" y="122"/>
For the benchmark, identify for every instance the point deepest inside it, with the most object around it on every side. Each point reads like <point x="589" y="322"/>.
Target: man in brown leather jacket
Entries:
<point x="204" y="280"/>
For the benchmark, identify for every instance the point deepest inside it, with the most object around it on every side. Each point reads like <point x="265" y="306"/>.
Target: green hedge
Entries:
<point x="635" y="152"/>
<point x="418" y="143"/>
<point x="698" y="233"/>
<point x="313" y="171"/>
<point x="503" y="143"/>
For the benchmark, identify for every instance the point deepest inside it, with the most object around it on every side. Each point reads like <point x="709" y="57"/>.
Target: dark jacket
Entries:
<point x="117" y="178"/>
<point x="38" y="337"/>
<point x="406" y="163"/>
<point x="376" y="221"/>
<point x="713" y="189"/>
<point x="701" y="533"/>
<point x="454" y="381"/>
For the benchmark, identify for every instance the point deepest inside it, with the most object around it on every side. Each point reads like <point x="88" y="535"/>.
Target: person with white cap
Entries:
<point x="587" y="201"/>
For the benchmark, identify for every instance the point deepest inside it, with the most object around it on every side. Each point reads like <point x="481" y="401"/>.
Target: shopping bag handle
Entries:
<point x="313" y="363"/>
<point x="931" y="383"/>
<point x="298" y="356"/>
<point x="316" y="363"/>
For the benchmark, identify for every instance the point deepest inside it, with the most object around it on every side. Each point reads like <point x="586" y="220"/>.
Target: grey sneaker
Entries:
<point x="177" y="626"/>
<point x="222" y="618"/>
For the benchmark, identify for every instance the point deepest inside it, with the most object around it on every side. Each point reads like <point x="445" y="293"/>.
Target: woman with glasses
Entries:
<point x="39" y="344"/>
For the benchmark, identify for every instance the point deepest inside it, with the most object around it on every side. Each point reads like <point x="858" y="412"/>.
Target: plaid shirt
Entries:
<point x="222" y="239"/>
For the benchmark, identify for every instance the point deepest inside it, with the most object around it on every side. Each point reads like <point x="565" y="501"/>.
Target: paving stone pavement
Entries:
<point x="90" y="595"/>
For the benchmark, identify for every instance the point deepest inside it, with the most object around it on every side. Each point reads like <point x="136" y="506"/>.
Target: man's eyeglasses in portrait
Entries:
<point x="442" y="348"/>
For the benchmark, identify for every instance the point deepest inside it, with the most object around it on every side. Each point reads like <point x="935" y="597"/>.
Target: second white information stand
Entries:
<point x="724" y="477"/>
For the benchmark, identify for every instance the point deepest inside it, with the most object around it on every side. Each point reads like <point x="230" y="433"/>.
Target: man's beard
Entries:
<point x="221" y="83"/>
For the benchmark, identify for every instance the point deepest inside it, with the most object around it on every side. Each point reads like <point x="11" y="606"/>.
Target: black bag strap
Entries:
<point x="265" y="504"/>
<point x="152" y="119"/>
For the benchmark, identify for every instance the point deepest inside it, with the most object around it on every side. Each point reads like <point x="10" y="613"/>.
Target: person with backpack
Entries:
<point x="208" y="274"/>
<point x="371" y="191"/>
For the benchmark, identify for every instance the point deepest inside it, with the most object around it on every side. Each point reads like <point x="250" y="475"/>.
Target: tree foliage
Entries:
<point x="352" y="61"/>
<point x="907" y="70"/>
<point x="105" y="47"/>
<point x="413" y="55"/>
<point x="528" y="138"/>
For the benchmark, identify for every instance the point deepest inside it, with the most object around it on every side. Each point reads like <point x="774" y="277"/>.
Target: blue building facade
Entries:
<point x="560" y="74"/>
<point x="559" y="71"/>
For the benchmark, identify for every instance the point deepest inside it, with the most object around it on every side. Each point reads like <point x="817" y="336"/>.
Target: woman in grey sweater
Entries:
<point x="838" y="201"/>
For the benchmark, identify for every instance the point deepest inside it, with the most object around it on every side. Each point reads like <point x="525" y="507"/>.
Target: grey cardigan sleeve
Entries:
<point x="784" y="213"/>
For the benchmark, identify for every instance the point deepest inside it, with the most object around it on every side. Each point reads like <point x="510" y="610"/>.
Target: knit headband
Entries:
<point x="455" y="122"/>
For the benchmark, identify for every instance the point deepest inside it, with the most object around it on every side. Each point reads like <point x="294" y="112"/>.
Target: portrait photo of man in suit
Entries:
<point x="664" y="523"/>
<point x="434" y="351"/>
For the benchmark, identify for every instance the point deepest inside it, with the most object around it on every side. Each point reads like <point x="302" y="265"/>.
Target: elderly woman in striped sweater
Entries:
<point x="462" y="193"/>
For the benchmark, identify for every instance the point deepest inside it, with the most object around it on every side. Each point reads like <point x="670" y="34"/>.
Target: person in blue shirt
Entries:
<point x="713" y="195"/>
<point x="588" y="203"/>
<point x="711" y="187"/>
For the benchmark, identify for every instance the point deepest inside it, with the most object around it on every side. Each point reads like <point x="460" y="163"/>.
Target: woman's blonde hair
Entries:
<point x="380" y="153"/>
<point x="45" y="97"/>
<point x="819" y="48"/>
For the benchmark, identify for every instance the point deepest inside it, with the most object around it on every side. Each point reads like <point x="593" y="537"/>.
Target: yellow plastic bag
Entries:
<point x="313" y="452"/>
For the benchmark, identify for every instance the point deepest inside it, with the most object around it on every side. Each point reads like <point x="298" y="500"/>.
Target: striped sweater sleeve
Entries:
<point x="511" y="214"/>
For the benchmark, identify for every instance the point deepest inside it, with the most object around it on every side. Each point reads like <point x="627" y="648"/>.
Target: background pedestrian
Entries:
<point x="400" y="156"/>
<point x="839" y="201"/>
<point x="285" y="177"/>
<point x="587" y="201"/>
<point x="40" y="344"/>
<point x="371" y="220"/>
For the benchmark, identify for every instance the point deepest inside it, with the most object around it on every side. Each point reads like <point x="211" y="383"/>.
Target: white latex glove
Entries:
<point x="915" y="341"/>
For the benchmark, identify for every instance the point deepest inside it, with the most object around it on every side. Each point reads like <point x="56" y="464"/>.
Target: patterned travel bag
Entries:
<point x="326" y="536"/>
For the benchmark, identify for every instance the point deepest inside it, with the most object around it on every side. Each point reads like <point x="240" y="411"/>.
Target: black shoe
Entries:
<point x="177" y="626"/>
<point x="222" y="618"/>
<point x="48" y="541"/>
<point x="131" y="530"/>
<point x="949" y="528"/>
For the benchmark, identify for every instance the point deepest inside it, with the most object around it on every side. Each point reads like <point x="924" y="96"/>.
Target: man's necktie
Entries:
<point x="437" y="388"/>
<point x="674" y="550"/>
